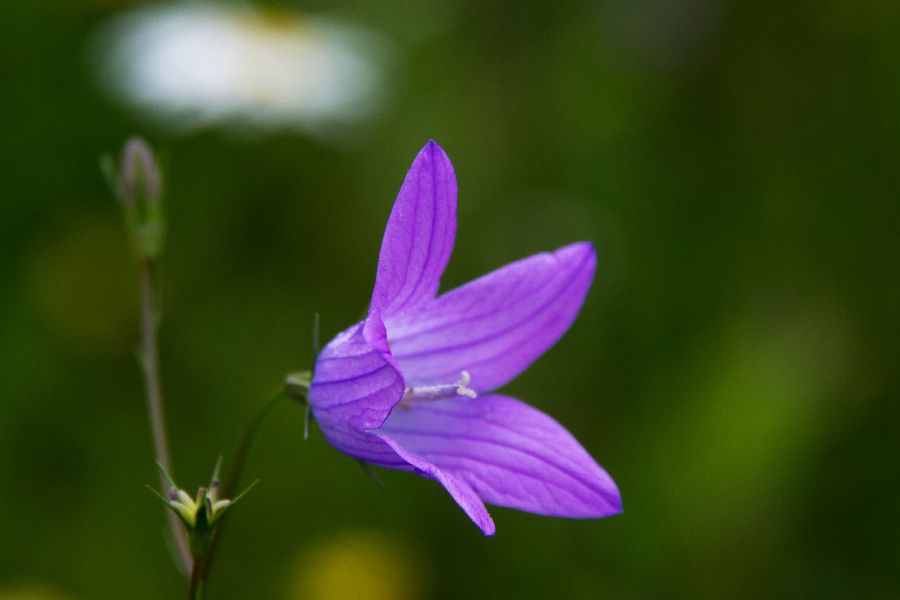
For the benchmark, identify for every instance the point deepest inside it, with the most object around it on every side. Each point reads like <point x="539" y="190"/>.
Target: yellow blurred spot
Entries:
<point x="31" y="591"/>
<point x="358" y="565"/>
<point x="82" y="280"/>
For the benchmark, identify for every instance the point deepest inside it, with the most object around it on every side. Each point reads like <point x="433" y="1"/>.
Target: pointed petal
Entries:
<point x="419" y="237"/>
<point x="497" y="325"/>
<point x="509" y="453"/>
<point x="355" y="386"/>
<point x="458" y="489"/>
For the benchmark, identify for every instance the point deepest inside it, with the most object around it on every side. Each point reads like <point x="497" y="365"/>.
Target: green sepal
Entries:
<point x="367" y="468"/>
<point x="297" y="384"/>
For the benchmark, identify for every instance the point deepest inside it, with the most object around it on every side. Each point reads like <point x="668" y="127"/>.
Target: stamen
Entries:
<point x="441" y="392"/>
<point x="462" y="386"/>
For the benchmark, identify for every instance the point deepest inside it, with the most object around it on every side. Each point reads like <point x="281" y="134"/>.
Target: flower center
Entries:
<point x="440" y="392"/>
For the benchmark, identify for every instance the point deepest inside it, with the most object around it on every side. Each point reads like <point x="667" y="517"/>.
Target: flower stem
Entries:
<point x="200" y="575"/>
<point x="153" y="387"/>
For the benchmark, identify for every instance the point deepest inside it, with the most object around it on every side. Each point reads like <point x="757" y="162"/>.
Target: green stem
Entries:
<point x="200" y="574"/>
<point x="155" y="405"/>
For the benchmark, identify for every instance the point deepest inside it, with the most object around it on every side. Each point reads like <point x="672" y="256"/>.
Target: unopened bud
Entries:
<point x="139" y="173"/>
<point x="137" y="183"/>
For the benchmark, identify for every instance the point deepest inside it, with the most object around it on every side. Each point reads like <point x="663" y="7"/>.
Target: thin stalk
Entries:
<point x="155" y="409"/>
<point x="200" y="574"/>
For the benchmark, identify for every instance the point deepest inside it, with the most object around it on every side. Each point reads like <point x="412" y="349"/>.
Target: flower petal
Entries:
<point x="355" y="386"/>
<point x="419" y="236"/>
<point x="497" y="325"/>
<point x="509" y="453"/>
<point x="458" y="489"/>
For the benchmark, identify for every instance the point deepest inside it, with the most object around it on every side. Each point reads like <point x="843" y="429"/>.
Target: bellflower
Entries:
<point x="411" y="386"/>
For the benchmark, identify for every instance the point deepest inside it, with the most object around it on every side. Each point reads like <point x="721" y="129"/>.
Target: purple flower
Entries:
<point x="411" y="386"/>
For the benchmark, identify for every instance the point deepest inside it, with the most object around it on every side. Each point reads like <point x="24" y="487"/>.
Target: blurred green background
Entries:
<point x="734" y="367"/>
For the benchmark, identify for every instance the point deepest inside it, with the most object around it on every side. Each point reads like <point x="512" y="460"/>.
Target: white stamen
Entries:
<point x="441" y="392"/>
<point x="462" y="386"/>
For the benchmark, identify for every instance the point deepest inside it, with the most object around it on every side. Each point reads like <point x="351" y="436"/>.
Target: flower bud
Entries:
<point x="199" y="513"/>
<point x="139" y="175"/>
<point x="137" y="184"/>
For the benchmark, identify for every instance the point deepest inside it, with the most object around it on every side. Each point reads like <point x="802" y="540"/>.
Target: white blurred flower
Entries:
<point x="187" y="66"/>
